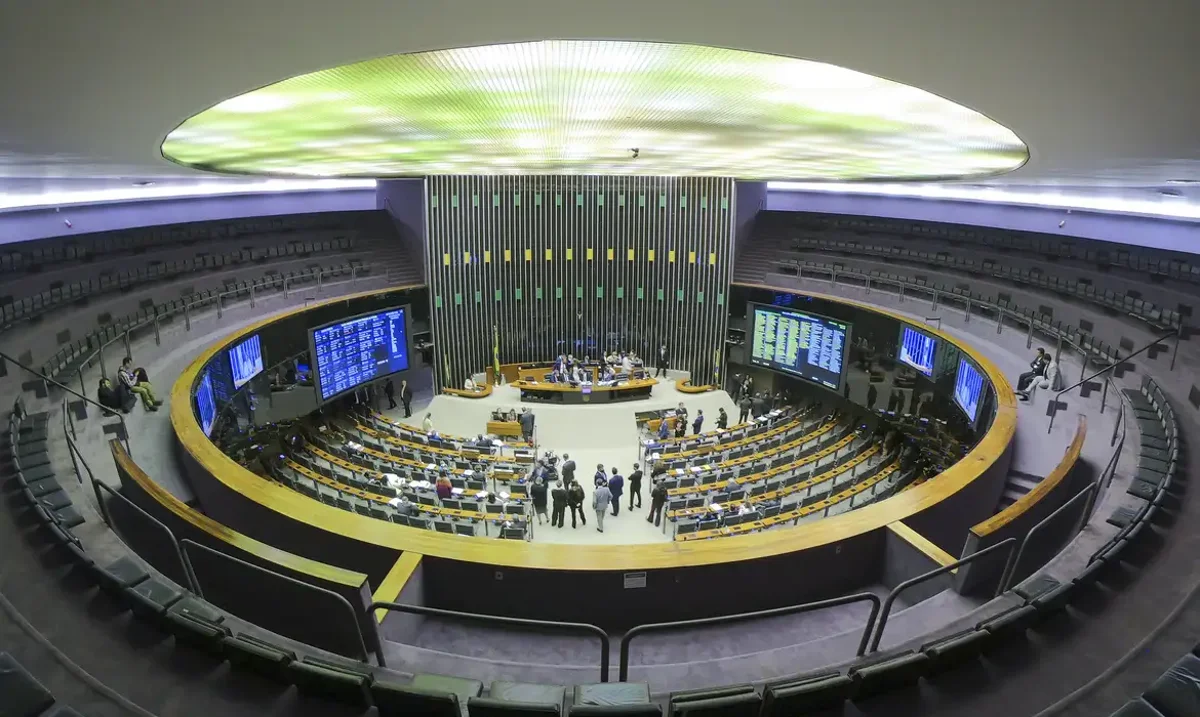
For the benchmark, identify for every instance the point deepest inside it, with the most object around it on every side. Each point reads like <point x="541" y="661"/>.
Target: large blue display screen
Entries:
<point x="805" y="345"/>
<point x="206" y="405"/>
<point x="245" y="361"/>
<point x="917" y="349"/>
<point x="968" y="388"/>
<point x="355" y="351"/>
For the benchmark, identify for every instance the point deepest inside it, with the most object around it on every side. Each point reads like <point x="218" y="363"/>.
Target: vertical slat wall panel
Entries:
<point x="558" y="297"/>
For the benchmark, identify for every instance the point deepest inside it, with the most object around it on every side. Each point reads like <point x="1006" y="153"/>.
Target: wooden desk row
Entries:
<point x="382" y="499"/>
<point x="405" y="429"/>
<point x="739" y="443"/>
<point x="388" y="437"/>
<point x="794" y="514"/>
<point x="399" y="461"/>
<point x="779" y="493"/>
<point x="715" y="433"/>
<point x="755" y="477"/>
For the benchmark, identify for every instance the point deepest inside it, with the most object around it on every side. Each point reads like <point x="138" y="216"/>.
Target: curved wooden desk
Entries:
<point x="482" y="392"/>
<point x="843" y="551"/>
<point x="684" y="385"/>
<point x="633" y="390"/>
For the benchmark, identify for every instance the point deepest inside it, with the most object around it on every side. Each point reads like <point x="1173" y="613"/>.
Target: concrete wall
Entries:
<point x="1173" y="235"/>
<point x="751" y="197"/>
<point x="41" y="223"/>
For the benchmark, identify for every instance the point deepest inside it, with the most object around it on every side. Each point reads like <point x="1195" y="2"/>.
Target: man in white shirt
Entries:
<point x="427" y="423"/>
<point x="469" y="384"/>
<point x="627" y="365"/>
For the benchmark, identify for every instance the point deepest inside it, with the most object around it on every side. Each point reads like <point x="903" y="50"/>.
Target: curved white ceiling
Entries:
<point x="1101" y="93"/>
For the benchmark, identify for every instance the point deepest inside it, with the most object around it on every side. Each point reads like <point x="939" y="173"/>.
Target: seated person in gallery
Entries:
<point x="1037" y="369"/>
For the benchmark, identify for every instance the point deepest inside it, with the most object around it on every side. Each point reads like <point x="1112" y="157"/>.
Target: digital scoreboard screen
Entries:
<point x="917" y="349"/>
<point x="800" y="344"/>
<point x="245" y="361"/>
<point x="968" y="388"/>
<point x="206" y="404"/>
<point x="355" y="351"/>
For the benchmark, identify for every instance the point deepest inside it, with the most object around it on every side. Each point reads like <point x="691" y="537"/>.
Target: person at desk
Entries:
<point x="402" y="505"/>
<point x="427" y="423"/>
<point x="608" y="375"/>
<point x="568" y="469"/>
<point x="627" y="365"/>
<point x="599" y="478"/>
<point x="558" y="498"/>
<point x="538" y="493"/>
<point x="722" y="419"/>
<point x="575" y="498"/>
<point x="635" y="486"/>
<point x="469" y="384"/>
<point x="443" y="487"/>
<point x="616" y="487"/>
<point x="658" y="498"/>
<point x="579" y="375"/>
<point x="560" y="364"/>
<point x="698" y="423"/>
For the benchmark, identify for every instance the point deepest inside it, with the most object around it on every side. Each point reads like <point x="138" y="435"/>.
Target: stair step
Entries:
<point x="1024" y="484"/>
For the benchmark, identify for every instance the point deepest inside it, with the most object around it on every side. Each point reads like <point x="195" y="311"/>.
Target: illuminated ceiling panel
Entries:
<point x="582" y="107"/>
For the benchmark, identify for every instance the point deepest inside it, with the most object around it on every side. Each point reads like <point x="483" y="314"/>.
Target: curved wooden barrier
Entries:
<point x="483" y="392"/>
<point x="684" y="385"/>
<point x="229" y="487"/>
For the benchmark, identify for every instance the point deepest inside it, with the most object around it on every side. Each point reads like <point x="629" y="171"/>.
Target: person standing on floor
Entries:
<point x="389" y="390"/>
<point x="558" y="498"/>
<point x="406" y="397"/>
<point x="601" y="499"/>
<point x="568" y="470"/>
<point x="427" y="423"/>
<point x="635" y="486"/>
<point x="660" y="363"/>
<point x="599" y="478"/>
<point x="616" y="487"/>
<point x="526" y="425"/>
<point x="663" y="429"/>
<point x="744" y="408"/>
<point x="575" y="498"/>
<point x="658" y="498"/>
<point x="722" y="419"/>
<point x="698" y="423"/>
<point x="680" y="426"/>
<point x="538" y="493"/>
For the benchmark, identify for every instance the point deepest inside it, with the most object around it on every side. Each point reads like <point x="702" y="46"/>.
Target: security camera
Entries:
<point x="635" y="151"/>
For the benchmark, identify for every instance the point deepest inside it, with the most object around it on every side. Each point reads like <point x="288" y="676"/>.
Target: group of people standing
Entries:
<point x="681" y="422"/>
<point x="560" y="491"/>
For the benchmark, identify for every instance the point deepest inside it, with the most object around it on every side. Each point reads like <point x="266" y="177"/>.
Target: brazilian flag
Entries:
<point x="496" y="354"/>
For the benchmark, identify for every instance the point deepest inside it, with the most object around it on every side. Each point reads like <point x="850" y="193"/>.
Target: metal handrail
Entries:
<point x="362" y="643"/>
<point x="1009" y="543"/>
<point x="1088" y="490"/>
<point x="1106" y="369"/>
<point x="188" y="574"/>
<point x="73" y="392"/>
<point x="497" y="619"/>
<point x="872" y="598"/>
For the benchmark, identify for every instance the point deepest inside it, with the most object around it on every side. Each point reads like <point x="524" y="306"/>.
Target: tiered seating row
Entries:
<point x="1158" y="317"/>
<point x="767" y="439"/>
<point x="24" y="446"/>
<point x="30" y="307"/>
<point x="1156" y="262"/>
<point x="84" y="352"/>
<point x="36" y="255"/>
<point x="1098" y="350"/>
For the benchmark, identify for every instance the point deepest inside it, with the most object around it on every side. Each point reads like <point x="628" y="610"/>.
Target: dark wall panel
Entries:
<point x="578" y="265"/>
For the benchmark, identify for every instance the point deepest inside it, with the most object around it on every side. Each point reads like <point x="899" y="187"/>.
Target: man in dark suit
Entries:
<point x="558" y="497"/>
<point x="698" y="423"/>
<point x="660" y="362"/>
<point x="406" y="398"/>
<point x="389" y="390"/>
<point x="568" y="470"/>
<point x="616" y="486"/>
<point x="722" y="419"/>
<point x="658" y="496"/>
<point x="599" y="478"/>
<point x="635" y="486"/>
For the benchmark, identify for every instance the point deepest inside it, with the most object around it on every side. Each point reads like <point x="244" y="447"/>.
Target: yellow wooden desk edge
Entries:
<point x="921" y="543"/>
<point x="684" y="385"/>
<point x="1030" y="499"/>
<point x="481" y="393"/>
<point x="268" y="553"/>
<point x="395" y="581"/>
<point x="632" y="557"/>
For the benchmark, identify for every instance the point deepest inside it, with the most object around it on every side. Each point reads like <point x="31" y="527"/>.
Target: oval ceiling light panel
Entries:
<point x="583" y="107"/>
